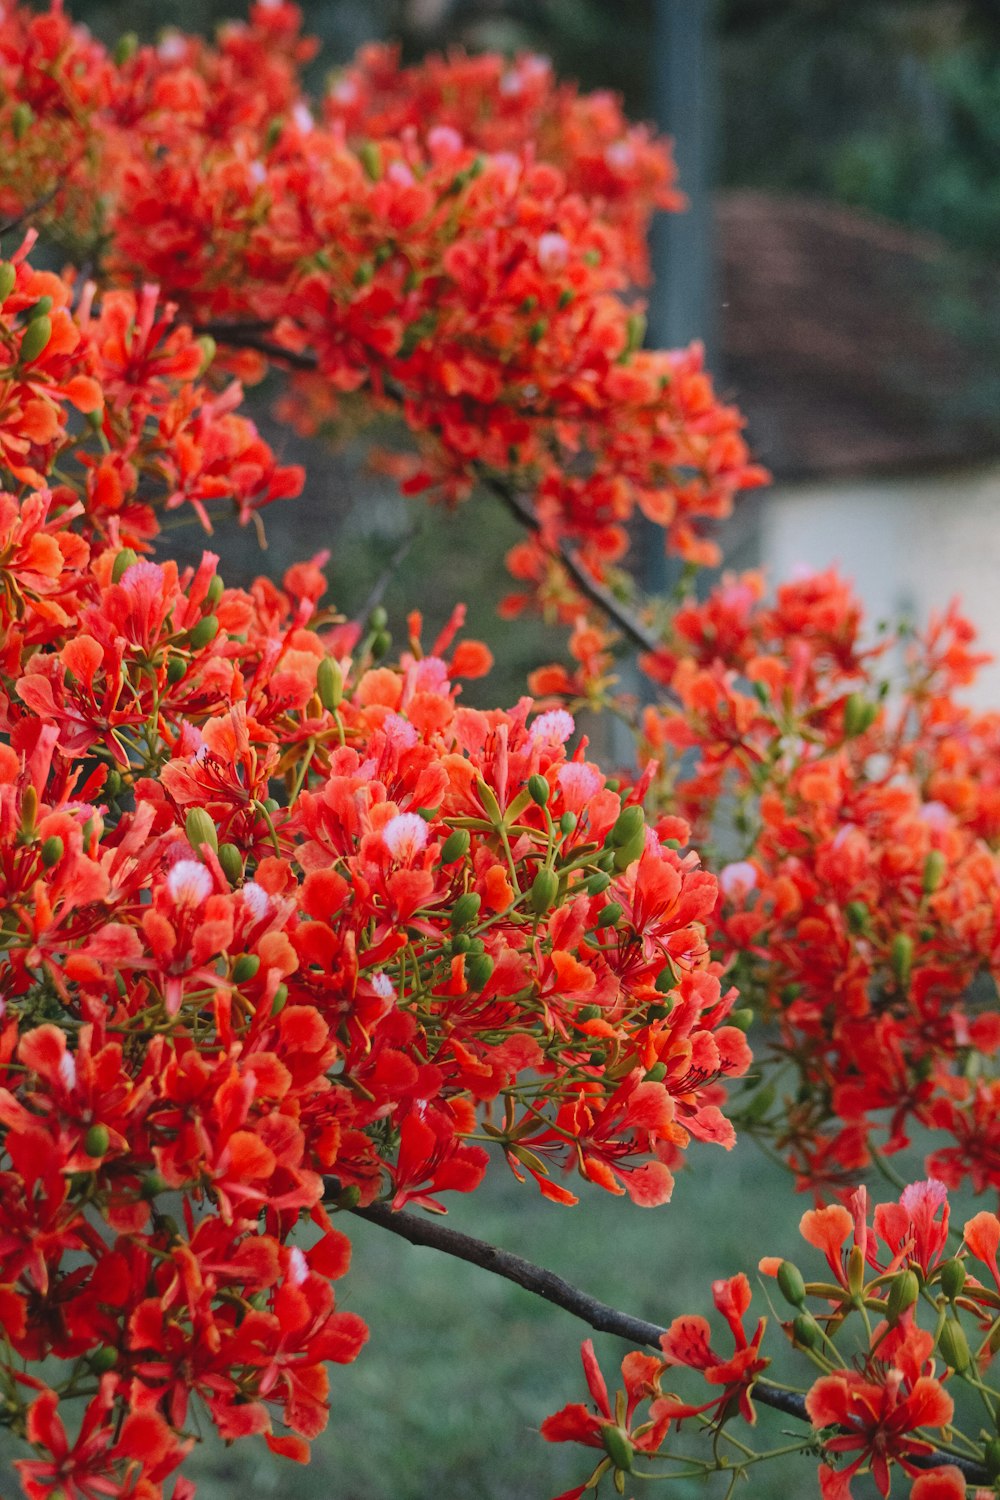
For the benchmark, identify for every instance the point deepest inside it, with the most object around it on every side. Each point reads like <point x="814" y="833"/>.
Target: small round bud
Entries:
<point x="901" y="957"/>
<point x="954" y="1346"/>
<point x="478" y="970"/>
<point x="544" y="889"/>
<point x="806" y="1331"/>
<point x="123" y="561"/>
<point x="176" y="668"/>
<point x="329" y="684"/>
<point x="904" y="1289"/>
<point x="455" y="846"/>
<point x="245" y="968"/>
<point x="103" y="1359"/>
<point x="378" y="619"/>
<point x="216" y="589"/>
<point x="656" y="1073"/>
<point x="35" y="338"/>
<point x="97" y="1140"/>
<point x="152" y="1184"/>
<point x="231" y="861"/>
<point x="200" y="830"/>
<point x="52" y="851"/>
<point x="610" y="915"/>
<point x="628" y="823"/>
<point x="539" y="789"/>
<point x="204" y="632"/>
<point x="596" y="885"/>
<point x="742" y="1018"/>
<point x="952" y="1278"/>
<point x="790" y="1283"/>
<point x="466" y="910"/>
<point x="8" y="280"/>
<point x="280" y="1000"/>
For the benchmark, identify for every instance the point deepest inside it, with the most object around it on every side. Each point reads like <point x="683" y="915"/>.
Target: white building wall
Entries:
<point x="909" y="544"/>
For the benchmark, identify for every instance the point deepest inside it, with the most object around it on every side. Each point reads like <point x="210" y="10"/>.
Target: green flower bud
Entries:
<point x="859" y="715"/>
<point x="215" y="590"/>
<point x="618" y="1448"/>
<point x="39" y="309"/>
<point x="152" y="1184"/>
<point x="589" y="1013"/>
<point x="567" y="824"/>
<point x="659" y="1012"/>
<point x="991" y="1458"/>
<point x="904" y="1289"/>
<point x="381" y="645"/>
<point x="857" y="915"/>
<point x="8" y="280"/>
<point x="378" y="619"/>
<point x="329" y="684"/>
<point x="952" y="1278"/>
<point x="628" y="823"/>
<point x="954" y="1346"/>
<point x="657" y="1072"/>
<point x="742" y="1018"/>
<point x="466" y="910"/>
<point x="209" y="348"/>
<point x="97" y="1140"/>
<point x="231" y="861"/>
<point x="280" y="999"/>
<point x="245" y="968"/>
<point x="544" y="889"/>
<point x="103" y="1359"/>
<point x="610" y="915"/>
<point x="176" y="668"/>
<point x="628" y="853"/>
<point x="52" y="851"/>
<point x="126" y="48"/>
<point x="790" y="1283"/>
<point x="934" y="868"/>
<point x="200" y="830"/>
<point x="664" y="981"/>
<point x="371" y="159"/>
<point x="123" y="560"/>
<point x="597" y="884"/>
<point x="539" y="789"/>
<point x="806" y="1331"/>
<point x="21" y="119"/>
<point x="901" y="957"/>
<point x="204" y="632"/>
<point x="35" y="339"/>
<point x="478" y="970"/>
<point x="455" y="846"/>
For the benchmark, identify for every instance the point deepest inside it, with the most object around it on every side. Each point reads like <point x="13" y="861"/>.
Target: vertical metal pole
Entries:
<point x="682" y="300"/>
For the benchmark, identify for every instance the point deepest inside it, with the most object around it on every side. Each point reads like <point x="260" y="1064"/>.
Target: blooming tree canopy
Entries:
<point x="289" y="932"/>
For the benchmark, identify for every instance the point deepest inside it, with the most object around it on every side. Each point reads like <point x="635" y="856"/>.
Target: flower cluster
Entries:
<point x="851" y="803"/>
<point x="920" y="1317"/>
<point x="285" y="927"/>
<point x="468" y="276"/>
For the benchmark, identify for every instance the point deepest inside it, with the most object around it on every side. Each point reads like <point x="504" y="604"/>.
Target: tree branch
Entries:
<point x="598" y="1315"/>
<point x="254" y="336"/>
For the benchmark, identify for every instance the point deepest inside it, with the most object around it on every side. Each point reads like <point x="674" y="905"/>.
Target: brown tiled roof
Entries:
<point x="854" y="345"/>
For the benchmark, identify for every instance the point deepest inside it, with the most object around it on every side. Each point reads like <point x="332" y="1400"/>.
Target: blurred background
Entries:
<point x="842" y="161"/>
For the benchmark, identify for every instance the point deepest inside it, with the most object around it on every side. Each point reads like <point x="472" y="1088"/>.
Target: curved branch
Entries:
<point x="254" y="336"/>
<point x="600" y="1316"/>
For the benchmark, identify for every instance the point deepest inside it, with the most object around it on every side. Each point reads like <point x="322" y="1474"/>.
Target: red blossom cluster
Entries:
<point x="852" y="806"/>
<point x="468" y="276"/>
<point x="883" y="1404"/>
<point x="284" y="926"/>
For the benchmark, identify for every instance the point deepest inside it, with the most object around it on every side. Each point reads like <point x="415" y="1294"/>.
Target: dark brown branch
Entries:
<point x="630" y="627"/>
<point x="598" y="1315"/>
<point x="253" y="336"/>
